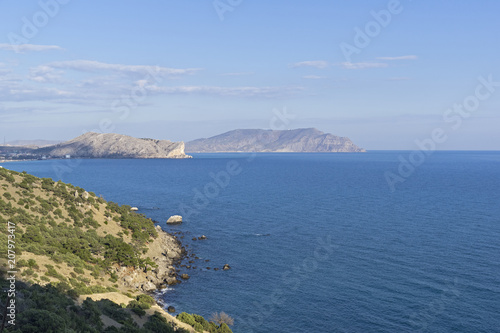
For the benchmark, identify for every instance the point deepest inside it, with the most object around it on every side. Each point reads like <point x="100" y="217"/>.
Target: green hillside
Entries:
<point x="69" y="248"/>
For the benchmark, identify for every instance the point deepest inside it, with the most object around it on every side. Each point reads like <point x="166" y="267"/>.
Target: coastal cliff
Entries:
<point x="257" y="140"/>
<point x="110" y="145"/>
<point x="82" y="263"/>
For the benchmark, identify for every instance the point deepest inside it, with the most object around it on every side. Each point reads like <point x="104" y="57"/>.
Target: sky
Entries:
<point x="386" y="74"/>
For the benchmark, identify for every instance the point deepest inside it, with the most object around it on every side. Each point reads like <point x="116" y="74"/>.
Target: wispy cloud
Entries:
<point x="96" y="66"/>
<point x="406" y="57"/>
<point x="45" y="74"/>
<point x="321" y="64"/>
<point x="28" y="47"/>
<point x="363" y="65"/>
<point x="313" y="77"/>
<point x="398" y="79"/>
<point x="237" y="74"/>
<point x="226" y="91"/>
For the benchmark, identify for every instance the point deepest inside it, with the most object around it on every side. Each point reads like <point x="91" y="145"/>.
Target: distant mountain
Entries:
<point x="108" y="145"/>
<point x="257" y="140"/>
<point x="32" y="143"/>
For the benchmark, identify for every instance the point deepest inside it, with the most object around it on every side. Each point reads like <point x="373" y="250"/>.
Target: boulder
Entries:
<point x="185" y="276"/>
<point x="172" y="281"/>
<point x="172" y="255"/>
<point x="134" y="209"/>
<point x="171" y="309"/>
<point x="202" y="237"/>
<point x="226" y="267"/>
<point x="175" y="219"/>
<point x="148" y="286"/>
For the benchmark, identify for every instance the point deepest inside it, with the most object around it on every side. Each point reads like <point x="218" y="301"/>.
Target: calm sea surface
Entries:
<point x="319" y="242"/>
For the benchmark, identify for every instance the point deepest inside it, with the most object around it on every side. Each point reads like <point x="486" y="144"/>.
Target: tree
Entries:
<point x="222" y="318"/>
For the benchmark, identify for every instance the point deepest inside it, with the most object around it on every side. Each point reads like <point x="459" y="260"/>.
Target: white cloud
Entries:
<point x="227" y="91"/>
<point x="406" y="57"/>
<point x="321" y="64"/>
<point x="237" y="74"/>
<point x="362" y="65"/>
<point x="96" y="66"/>
<point x="28" y="47"/>
<point x="313" y="77"/>
<point x="398" y="78"/>
<point x="45" y="74"/>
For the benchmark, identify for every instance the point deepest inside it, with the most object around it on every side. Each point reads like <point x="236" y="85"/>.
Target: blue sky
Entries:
<point x="181" y="70"/>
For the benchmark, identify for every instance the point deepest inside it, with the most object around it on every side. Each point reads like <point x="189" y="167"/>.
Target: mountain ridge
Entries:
<point x="258" y="140"/>
<point x="111" y="145"/>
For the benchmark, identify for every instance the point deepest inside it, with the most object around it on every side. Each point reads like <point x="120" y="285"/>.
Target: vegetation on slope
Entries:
<point x="68" y="243"/>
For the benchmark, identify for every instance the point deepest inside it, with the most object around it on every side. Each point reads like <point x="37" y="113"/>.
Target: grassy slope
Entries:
<point x="68" y="242"/>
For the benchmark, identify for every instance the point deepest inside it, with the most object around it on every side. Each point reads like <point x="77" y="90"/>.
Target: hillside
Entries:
<point x="256" y="140"/>
<point x="83" y="264"/>
<point x="109" y="145"/>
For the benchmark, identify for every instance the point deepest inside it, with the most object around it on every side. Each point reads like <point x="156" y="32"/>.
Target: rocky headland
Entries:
<point x="110" y="145"/>
<point x="304" y="140"/>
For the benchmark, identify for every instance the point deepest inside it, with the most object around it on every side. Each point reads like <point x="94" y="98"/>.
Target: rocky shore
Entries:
<point x="167" y="252"/>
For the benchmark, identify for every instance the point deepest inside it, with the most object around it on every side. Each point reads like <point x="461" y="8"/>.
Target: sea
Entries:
<point x="383" y="241"/>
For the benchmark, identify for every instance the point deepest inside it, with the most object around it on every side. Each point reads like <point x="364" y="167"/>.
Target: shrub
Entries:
<point x="146" y="299"/>
<point x="224" y="329"/>
<point x="197" y="327"/>
<point x="32" y="264"/>
<point x="186" y="318"/>
<point x="138" y="311"/>
<point x="135" y="304"/>
<point x="199" y="319"/>
<point x="158" y="323"/>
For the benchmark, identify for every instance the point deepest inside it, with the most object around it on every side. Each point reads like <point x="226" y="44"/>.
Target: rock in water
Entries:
<point x="185" y="276"/>
<point x="134" y="209"/>
<point x="171" y="309"/>
<point x="226" y="267"/>
<point x="175" y="219"/>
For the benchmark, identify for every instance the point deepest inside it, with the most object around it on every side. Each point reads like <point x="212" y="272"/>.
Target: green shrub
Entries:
<point x="223" y="328"/>
<point x="197" y="327"/>
<point x="143" y="298"/>
<point x="186" y="318"/>
<point x="138" y="311"/>
<point x="78" y="270"/>
<point x="158" y="323"/>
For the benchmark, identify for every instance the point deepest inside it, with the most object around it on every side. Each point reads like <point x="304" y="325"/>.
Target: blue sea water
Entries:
<point x="319" y="242"/>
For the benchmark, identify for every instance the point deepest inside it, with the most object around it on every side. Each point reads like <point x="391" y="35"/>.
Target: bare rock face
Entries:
<point x="165" y="252"/>
<point x="109" y="145"/>
<point x="256" y="140"/>
<point x="175" y="219"/>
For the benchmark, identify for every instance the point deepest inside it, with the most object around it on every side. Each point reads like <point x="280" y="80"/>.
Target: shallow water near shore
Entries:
<point x="319" y="242"/>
